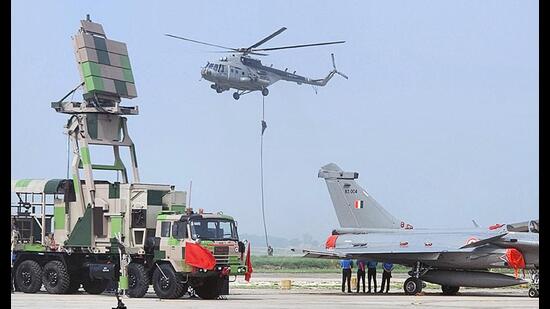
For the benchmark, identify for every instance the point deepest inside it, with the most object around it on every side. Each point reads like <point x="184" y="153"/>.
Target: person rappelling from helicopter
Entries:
<point x="245" y="74"/>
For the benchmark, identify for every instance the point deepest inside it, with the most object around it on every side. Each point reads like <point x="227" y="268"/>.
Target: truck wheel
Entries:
<point x="209" y="290"/>
<point x="55" y="277"/>
<point x="28" y="277"/>
<point x="138" y="281"/>
<point x="449" y="290"/>
<point x="94" y="286"/>
<point x="167" y="285"/>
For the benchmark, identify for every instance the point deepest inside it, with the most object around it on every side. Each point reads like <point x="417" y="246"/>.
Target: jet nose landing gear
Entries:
<point x="534" y="284"/>
<point x="265" y="92"/>
<point x="412" y="286"/>
<point x="236" y="95"/>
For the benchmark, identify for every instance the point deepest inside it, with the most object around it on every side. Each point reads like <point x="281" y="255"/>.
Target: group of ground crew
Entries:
<point x="370" y="266"/>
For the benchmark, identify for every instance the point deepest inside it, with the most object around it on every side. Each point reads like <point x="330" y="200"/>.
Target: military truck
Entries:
<point x="79" y="231"/>
<point x="149" y="220"/>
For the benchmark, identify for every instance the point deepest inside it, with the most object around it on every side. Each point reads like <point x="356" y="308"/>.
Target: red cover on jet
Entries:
<point x="198" y="256"/>
<point x="331" y="242"/>
<point x="515" y="260"/>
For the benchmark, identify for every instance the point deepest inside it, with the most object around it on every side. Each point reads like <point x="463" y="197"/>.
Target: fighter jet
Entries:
<point x="452" y="258"/>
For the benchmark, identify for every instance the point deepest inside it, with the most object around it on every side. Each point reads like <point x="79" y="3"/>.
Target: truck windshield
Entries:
<point x="213" y="229"/>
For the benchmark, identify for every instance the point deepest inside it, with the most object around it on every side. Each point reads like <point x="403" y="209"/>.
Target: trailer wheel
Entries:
<point x="209" y="290"/>
<point x="92" y="286"/>
<point x="449" y="290"/>
<point x="165" y="282"/>
<point x="55" y="277"/>
<point x="28" y="277"/>
<point x="138" y="281"/>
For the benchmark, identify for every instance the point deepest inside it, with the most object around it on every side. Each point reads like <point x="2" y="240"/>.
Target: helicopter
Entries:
<point x="245" y="74"/>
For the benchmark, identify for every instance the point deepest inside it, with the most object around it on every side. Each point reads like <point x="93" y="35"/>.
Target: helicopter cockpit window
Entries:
<point x="215" y="67"/>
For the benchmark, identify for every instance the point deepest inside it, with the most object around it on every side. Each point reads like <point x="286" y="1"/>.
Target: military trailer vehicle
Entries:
<point x="80" y="231"/>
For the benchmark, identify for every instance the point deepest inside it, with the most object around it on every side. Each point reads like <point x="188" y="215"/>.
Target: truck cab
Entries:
<point x="215" y="233"/>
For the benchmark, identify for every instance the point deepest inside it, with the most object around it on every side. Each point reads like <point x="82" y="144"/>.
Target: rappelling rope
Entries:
<point x="264" y="126"/>
<point x="68" y="153"/>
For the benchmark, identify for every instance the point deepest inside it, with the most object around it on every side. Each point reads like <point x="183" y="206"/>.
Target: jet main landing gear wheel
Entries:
<point x="449" y="290"/>
<point x="236" y="95"/>
<point x="412" y="286"/>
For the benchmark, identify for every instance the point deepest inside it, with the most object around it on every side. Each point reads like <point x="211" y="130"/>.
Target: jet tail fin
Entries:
<point x="354" y="207"/>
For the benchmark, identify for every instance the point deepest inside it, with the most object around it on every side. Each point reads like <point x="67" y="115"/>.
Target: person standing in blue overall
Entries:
<point x="386" y="275"/>
<point x="371" y="273"/>
<point x="346" y="274"/>
<point x="361" y="265"/>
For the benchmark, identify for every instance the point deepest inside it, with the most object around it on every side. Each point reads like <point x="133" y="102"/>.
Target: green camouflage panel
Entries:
<point x="104" y="65"/>
<point x="101" y="70"/>
<point x="103" y="57"/>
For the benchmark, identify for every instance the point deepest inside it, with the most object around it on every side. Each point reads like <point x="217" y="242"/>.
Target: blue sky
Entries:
<point x="439" y="116"/>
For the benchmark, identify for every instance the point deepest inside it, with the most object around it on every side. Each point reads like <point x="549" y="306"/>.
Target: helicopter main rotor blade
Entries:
<point x="267" y="38"/>
<point x="199" y="42"/>
<point x="228" y="51"/>
<point x="297" y="46"/>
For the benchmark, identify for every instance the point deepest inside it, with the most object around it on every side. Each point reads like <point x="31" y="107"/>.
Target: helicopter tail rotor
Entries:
<point x="335" y="70"/>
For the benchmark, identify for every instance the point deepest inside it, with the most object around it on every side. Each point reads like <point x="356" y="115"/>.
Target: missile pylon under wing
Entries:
<point x="451" y="258"/>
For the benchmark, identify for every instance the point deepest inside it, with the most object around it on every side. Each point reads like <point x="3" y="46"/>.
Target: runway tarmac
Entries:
<point x="308" y="291"/>
<point x="272" y="298"/>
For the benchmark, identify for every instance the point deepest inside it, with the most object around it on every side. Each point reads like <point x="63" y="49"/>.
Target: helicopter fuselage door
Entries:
<point x="234" y="73"/>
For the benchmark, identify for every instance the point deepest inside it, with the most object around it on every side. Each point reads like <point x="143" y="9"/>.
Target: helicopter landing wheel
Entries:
<point x="219" y="90"/>
<point x="265" y="92"/>
<point x="236" y="95"/>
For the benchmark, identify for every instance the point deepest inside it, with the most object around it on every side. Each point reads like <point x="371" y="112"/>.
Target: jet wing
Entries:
<point x="484" y="241"/>
<point x="395" y="257"/>
<point x="323" y="254"/>
<point x="404" y="253"/>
